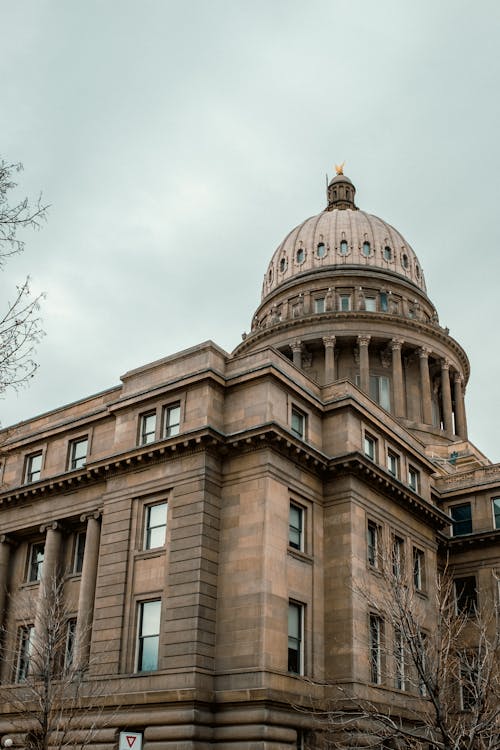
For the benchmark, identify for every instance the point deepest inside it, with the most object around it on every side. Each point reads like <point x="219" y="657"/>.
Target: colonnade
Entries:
<point x="452" y="410"/>
<point x="50" y="582"/>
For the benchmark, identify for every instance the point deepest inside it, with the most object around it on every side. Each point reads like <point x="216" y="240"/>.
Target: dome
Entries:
<point x="342" y="237"/>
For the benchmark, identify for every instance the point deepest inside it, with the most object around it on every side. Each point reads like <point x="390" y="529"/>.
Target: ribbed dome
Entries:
<point x="342" y="237"/>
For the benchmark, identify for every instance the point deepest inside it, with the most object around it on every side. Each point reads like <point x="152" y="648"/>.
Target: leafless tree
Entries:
<point x="447" y="667"/>
<point x="20" y="324"/>
<point x="47" y="697"/>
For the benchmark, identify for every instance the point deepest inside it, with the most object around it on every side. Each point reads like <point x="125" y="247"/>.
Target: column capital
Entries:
<point x="53" y="525"/>
<point x="6" y="539"/>
<point x="458" y="378"/>
<point x="95" y="514"/>
<point x="363" y="340"/>
<point x="329" y="341"/>
<point x="424" y="352"/>
<point x="296" y="346"/>
<point x="445" y="363"/>
<point x="396" y="344"/>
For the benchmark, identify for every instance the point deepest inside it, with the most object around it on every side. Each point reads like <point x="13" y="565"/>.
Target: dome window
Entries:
<point x="366" y="249"/>
<point x="300" y="255"/>
<point x="270" y="275"/>
<point x="321" y="250"/>
<point x="404" y="261"/>
<point x="343" y="247"/>
<point x="283" y="265"/>
<point x="387" y="253"/>
<point x="417" y="271"/>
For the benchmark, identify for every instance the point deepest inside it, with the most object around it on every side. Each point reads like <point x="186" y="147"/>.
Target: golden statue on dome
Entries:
<point x="339" y="168"/>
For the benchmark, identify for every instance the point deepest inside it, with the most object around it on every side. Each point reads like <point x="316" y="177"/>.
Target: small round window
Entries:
<point x="366" y="249"/>
<point x="343" y="247"/>
<point x="321" y="250"/>
<point x="300" y="255"/>
<point x="387" y="253"/>
<point x="404" y="260"/>
<point x="283" y="265"/>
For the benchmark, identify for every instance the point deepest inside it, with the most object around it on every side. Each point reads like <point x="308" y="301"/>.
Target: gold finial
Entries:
<point x="339" y="168"/>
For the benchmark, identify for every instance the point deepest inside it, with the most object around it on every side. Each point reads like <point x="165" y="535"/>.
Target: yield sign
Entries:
<point x="130" y="741"/>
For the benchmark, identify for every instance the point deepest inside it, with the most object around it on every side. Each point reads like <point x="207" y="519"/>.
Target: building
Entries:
<point x="208" y="516"/>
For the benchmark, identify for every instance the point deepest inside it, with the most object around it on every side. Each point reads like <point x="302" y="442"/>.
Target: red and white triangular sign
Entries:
<point x="130" y="741"/>
<point x="131" y="738"/>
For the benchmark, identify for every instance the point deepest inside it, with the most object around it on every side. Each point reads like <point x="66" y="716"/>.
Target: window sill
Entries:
<point x="299" y="555"/>
<point x="145" y="554"/>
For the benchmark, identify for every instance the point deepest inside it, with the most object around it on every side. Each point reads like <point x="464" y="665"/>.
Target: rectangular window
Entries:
<point x="369" y="446"/>
<point x="466" y="595"/>
<point x="399" y="659"/>
<point x="370" y="304"/>
<point x="393" y="464"/>
<point x="35" y="561"/>
<point x="422" y="664"/>
<point x="78" y="453"/>
<point x="155" y="526"/>
<point x="373" y="544"/>
<point x="468" y="682"/>
<point x="398" y="557"/>
<point x="298" y="423"/>
<point x="496" y="511"/>
<point x="69" y="651"/>
<point x="26" y="638"/>
<point x="345" y="302"/>
<point x="172" y="420"/>
<point x="148" y="428"/>
<point x="319" y="305"/>
<point x="296" y="527"/>
<point x="148" y="635"/>
<point x="461" y="517"/>
<point x="413" y="479"/>
<point x="375" y="649"/>
<point x="418" y="569"/>
<point x="383" y="302"/>
<point x="33" y="468"/>
<point x="79" y="552"/>
<point x="379" y="391"/>
<point x="295" y="638"/>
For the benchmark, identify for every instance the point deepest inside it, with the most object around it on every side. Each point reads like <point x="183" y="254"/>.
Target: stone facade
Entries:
<point x="232" y="492"/>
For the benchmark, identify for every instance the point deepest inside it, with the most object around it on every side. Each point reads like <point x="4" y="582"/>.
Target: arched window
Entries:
<point x="366" y="249"/>
<point x="270" y="275"/>
<point x="387" y="253"/>
<point x="404" y="260"/>
<point x="321" y="250"/>
<point x="343" y="247"/>
<point x="283" y="265"/>
<point x="300" y="255"/>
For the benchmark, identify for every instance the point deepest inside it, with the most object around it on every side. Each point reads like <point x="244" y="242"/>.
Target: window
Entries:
<point x="33" y="467"/>
<point x="148" y="428"/>
<point x="283" y="265"/>
<point x="26" y="638"/>
<point x="148" y="637"/>
<point x="387" y="253"/>
<point x="379" y="390"/>
<point x="344" y="247"/>
<point x="373" y="544"/>
<point x="404" y="261"/>
<point x="78" y="453"/>
<point x="398" y="557"/>
<point x="375" y="649"/>
<point x="496" y="511"/>
<point x="370" y="446"/>
<point x="466" y="595"/>
<point x="413" y="479"/>
<point x="295" y="638"/>
<point x="296" y="527"/>
<point x="384" y="306"/>
<point x="69" y="651"/>
<point x="155" y="526"/>
<point x="321" y="250"/>
<point x="298" y="424"/>
<point x="399" y="660"/>
<point x="370" y="304"/>
<point x="319" y="305"/>
<point x="469" y="695"/>
<point x="461" y="517"/>
<point x="345" y="302"/>
<point x="366" y="249"/>
<point x="300" y="255"/>
<point x="172" y="420"/>
<point x="79" y="552"/>
<point x="422" y="676"/>
<point x="418" y="569"/>
<point x="393" y="464"/>
<point x="35" y="562"/>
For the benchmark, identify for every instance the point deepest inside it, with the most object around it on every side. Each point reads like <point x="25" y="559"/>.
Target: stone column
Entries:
<point x="87" y="589"/>
<point x="329" y="344"/>
<point x="425" y="385"/>
<point x="49" y="589"/>
<point x="364" y="363"/>
<point x="5" y="545"/>
<point x="446" y="396"/>
<point x="460" y="418"/>
<point x="397" y="378"/>
<point x="296" y="348"/>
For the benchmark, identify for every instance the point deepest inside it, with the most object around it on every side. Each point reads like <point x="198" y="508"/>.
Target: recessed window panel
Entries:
<point x="321" y="250"/>
<point x="300" y="255"/>
<point x="370" y="304"/>
<point x="319" y="305"/>
<point x="344" y="248"/>
<point x="387" y="253"/>
<point x="283" y="265"/>
<point x="366" y="249"/>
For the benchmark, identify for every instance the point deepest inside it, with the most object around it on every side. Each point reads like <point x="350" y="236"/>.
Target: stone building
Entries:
<point x="208" y="516"/>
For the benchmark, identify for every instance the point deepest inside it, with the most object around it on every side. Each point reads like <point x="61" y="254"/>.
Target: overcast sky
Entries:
<point x="178" y="142"/>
